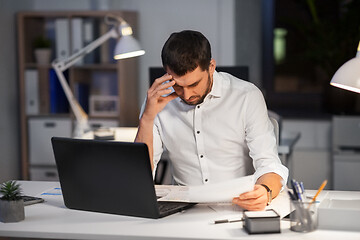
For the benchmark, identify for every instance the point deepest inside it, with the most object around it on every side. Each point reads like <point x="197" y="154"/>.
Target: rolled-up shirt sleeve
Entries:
<point x="260" y="138"/>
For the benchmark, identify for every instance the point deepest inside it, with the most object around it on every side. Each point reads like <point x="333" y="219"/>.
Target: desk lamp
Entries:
<point x="348" y="75"/>
<point x="126" y="47"/>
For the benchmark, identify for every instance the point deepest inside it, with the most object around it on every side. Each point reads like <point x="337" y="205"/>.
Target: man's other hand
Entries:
<point x="155" y="95"/>
<point x="255" y="200"/>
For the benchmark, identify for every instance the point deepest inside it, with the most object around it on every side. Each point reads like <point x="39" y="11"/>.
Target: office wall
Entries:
<point x="248" y="35"/>
<point x="9" y="130"/>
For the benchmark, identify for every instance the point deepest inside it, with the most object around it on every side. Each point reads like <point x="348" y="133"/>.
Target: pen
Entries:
<point x="299" y="191"/>
<point x="228" y="220"/>
<point x="319" y="190"/>
<point x="294" y="188"/>
<point x="302" y="190"/>
<point x="292" y="197"/>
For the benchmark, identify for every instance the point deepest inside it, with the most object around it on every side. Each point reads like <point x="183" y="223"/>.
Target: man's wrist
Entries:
<point x="146" y="120"/>
<point x="269" y="193"/>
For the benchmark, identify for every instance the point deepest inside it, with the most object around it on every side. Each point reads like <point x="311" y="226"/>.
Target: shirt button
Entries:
<point x="198" y="106"/>
<point x="201" y="156"/>
<point x="206" y="180"/>
<point x="198" y="132"/>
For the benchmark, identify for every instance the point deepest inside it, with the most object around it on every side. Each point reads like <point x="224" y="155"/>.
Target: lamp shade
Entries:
<point x="126" y="47"/>
<point x="348" y="76"/>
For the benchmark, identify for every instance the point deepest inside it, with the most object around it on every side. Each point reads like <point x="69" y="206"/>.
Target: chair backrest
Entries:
<point x="276" y="129"/>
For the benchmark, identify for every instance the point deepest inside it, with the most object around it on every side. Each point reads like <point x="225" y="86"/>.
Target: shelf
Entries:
<point x="99" y="66"/>
<point x="49" y="115"/>
<point x="37" y="97"/>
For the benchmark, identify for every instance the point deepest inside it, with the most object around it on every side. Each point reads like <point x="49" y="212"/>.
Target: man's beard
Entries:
<point x="201" y="98"/>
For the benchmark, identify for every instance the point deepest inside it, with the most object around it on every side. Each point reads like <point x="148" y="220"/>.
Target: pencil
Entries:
<point x="319" y="190"/>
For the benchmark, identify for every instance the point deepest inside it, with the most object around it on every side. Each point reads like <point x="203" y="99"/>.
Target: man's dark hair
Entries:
<point x="184" y="51"/>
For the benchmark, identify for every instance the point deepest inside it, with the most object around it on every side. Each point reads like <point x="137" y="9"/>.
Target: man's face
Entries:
<point x="193" y="87"/>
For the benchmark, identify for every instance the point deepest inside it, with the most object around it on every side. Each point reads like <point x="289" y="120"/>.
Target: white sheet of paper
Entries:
<point x="215" y="192"/>
<point x="172" y="193"/>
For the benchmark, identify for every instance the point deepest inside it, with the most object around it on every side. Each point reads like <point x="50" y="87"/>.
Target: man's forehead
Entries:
<point x="189" y="78"/>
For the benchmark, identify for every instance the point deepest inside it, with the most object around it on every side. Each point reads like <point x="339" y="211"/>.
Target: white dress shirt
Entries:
<point x="228" y="135"/>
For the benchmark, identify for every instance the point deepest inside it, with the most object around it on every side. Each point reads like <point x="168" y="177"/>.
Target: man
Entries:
<point x="214" y="126"/>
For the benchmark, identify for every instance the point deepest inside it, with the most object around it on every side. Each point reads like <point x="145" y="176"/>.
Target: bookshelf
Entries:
<point x="97" y="75"/>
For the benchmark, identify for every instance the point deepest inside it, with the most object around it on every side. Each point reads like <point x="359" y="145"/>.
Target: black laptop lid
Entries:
<point x="104" y="176"/>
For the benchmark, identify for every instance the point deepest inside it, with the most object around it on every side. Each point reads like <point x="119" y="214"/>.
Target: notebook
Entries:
<point x="109" y="177"/>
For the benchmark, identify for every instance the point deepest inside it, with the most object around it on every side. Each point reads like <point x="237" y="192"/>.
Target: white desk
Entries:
<point x="52" y="220"/>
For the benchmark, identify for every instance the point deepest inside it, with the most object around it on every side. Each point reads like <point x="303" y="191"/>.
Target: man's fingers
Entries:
<point x="156" y="87"/>
<point x="165" y="85"/>
<point x="250" y="195"/>
<point x="161" y="80"/>
<point x="256" y="193"/>
<point x="254" y="200"/>
<point x="252" y="205"/>
<point x="160" y="93"/>
<point x="170" y="97"/>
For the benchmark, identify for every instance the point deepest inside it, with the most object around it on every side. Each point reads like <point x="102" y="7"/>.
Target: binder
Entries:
<point x="90" y="33"/>
<point x="58" y="100"/>
<point x="108" y="47"/>
<point x="32" y="91"/>
<point x="104" y="48"/>
<point x="77" y="38"/>
<point x="62" y="35"/>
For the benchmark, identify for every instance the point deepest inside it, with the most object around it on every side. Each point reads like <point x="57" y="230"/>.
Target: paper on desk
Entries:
<point x="216" y="192"/>
<point x="52" y="192"/>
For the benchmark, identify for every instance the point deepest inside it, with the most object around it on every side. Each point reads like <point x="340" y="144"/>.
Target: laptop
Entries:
<point x="109" y="177"/>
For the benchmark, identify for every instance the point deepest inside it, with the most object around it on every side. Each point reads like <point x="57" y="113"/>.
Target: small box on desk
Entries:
<point x="337" y="213"/>
<point x="257" y="222"/>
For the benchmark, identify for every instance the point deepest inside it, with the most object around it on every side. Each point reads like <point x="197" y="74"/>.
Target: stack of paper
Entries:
<point x="216" y="192"/>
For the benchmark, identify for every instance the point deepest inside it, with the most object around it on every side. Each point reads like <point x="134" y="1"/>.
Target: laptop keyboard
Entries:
<point x="167" y="208"/>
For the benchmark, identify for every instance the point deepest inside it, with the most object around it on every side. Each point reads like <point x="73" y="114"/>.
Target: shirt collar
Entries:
<point x="217" y="85"/>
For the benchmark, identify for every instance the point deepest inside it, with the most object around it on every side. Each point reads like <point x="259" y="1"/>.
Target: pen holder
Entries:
<point x="303" y="216"/>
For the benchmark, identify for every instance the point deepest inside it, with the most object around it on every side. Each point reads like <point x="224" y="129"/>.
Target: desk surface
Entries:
<point x="53" y="220"/>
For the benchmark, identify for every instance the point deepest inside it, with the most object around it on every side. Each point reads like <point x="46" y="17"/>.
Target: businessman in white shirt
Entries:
<point x="214" y="126"/>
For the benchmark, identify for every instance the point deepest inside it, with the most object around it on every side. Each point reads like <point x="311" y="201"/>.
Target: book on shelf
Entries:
<point x="62" y="34"/>
<point x="91" y="33"/>
<point x="108" y="47"/>
<point x="77" y="38"/>
<point x="32" y="105"/>
<point x="58" y="100"/>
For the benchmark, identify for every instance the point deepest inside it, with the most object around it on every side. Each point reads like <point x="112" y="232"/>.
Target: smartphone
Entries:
<point x="171" y="88"/>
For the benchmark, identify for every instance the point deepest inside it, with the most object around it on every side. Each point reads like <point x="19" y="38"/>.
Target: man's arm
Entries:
<point x="155" y="102"/>
<point x="257" y="199"/>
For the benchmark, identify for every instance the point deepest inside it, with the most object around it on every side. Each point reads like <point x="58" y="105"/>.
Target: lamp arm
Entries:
<point x="68" y="62"/>
<point x="62" y="65"/>
<point x="79" y="112"/>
